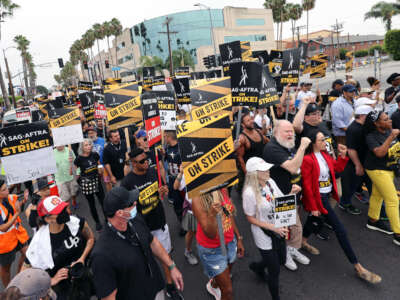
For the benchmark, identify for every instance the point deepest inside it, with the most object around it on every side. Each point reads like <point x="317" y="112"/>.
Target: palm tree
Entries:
<point x="31" y="72"/>
<point x="99" y="35"/>
<point x="78" y="56"/>
<point x="7" y="8"/>
<point x="276" y="6"/>
<point x="107" y="33"/>
<point x="385" y="11"/>
<point x="307" y="6"/>
<point x="284" y="17"/>
<point x="88" y="39"/>
<point x="22" y="45"/>
<point x="295" y="12"/>
<point x="148" y="61"/>
<point x="116" y="29"/>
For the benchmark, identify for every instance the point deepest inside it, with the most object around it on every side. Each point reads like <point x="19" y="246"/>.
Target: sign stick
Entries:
<point x="238" y="123"/>
<point x="104" y="129"/>
<point x="72" y="164"/>
<point x="216" y="198"/>
<point x="271" y="108"/>
<point x="287" y="105"/>
<point x="128" y="142"/>
<point x="158" y="172"/>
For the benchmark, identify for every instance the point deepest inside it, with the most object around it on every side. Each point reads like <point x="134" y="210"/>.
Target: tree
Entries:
<point x="42" y="90"/>
<point x="385" y="11"/>
<point x="78" y="56"/>
<point x="371" y="50"/>
<point x="307" y="6"/>
<point x="67" y="76"/>
<point x="392" y="43"/>
<point x="361" y="53"/>
<point x="107" y="33"/>
<point x="148" y="61"/>
<point x="99" y="35"/>
<point x="276" y="6"/>
<point x="22" y="45"/>
<point x="116" y="29"/>
<point x="180" y="57"/>
<point x="31" y="72"/>
<point x="295" y="12"/>
<point x="7" y="8"/>
<point x="342" y="53"/>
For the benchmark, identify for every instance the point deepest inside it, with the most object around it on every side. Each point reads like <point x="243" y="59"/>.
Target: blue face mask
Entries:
<point x="133" y="213"/>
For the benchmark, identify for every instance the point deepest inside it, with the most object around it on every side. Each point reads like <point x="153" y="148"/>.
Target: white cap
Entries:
<point x="257" y="164"/>
<point x="363" y="101"/>
<point x="363" y="110"/>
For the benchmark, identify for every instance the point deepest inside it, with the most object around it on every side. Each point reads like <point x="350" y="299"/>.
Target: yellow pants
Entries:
<point x="383" y="189"/>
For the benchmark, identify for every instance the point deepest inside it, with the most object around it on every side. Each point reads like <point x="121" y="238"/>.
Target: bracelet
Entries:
<point x="239" y="237"/>
<point x="172" y="266"/>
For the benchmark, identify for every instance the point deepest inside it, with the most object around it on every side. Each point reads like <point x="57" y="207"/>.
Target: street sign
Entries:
<point x="115" y="68"/>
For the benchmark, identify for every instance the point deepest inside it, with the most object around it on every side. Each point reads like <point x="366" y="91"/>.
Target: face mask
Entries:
<point x="63" y="217"/>
<point x="133" y="212"/>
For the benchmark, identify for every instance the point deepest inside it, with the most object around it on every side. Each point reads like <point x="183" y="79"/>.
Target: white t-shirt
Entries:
<point x="258" y="120"/>
<point x="264" y="212"/>
<point x="325" y="183"/>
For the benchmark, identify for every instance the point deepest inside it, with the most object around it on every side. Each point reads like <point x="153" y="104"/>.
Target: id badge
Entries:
<point x="121" y="160"/>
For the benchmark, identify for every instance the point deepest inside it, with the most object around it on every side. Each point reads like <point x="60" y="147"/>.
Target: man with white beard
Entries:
<point x="281" y="152"/>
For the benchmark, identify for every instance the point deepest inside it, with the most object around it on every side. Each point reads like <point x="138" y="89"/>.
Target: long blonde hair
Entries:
<point x="208" y="199"/>
<point x="251" y="182"/>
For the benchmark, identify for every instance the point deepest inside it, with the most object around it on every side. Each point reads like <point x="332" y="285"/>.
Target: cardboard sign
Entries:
<point x="291" y="67"/>
<point x="349" y="61"/>
<point x="207" y="152"/>
<point x="65" y="126"/>
<point x="262" y="56"/>
<point x="245" y="83"/>
<point x="87" y="102"/>
<point x="182" y="72"/>
<point x="182" y="90"/>
<point x="167" y="109"/>
<point x="85" y="85"/>
<point x="148" y="75"/>
<point x="23" y="113"/>
<point x="230" y="53"/>
<point x="158" y="80"/>
<point x="275" y="62"/>
<point x="211" y="98"/>
<point x="319" y="63"/>
<point x="151" y="118"/>
<point x="268" y="91"/>
<point x="303" y="48"/>
<point x="123" y="105"/>
<point x="100" y="111"/>
<point x="285" y="211"/>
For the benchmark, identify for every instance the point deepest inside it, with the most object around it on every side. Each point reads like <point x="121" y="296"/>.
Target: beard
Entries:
<point x="289" y="144"/>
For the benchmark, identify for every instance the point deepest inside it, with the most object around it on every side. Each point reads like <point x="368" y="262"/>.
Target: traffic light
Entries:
<point x="107" y="64"/>
<point x="60" y="63"/>
<point x="85" y="65"/>
<point x="213" y="63"/>
<point x="206" y="62"/>
<point x="219" y="59"/>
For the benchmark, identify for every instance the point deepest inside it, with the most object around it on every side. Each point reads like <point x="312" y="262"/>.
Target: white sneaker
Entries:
<point x="290" y="264"/>
<point x="191" y="258"/>
<point x="297" y="256"/>
<point x="216" y="292"/>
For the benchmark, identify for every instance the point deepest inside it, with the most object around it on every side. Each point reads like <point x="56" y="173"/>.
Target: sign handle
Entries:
<point x="238" y="123"/>
<point x="287" y="105"/>
<point x="72" y="164"/>
<point x="127" y="139"/>
<point x="158" y="171"/>
<point x="271" y="109"/>
<point x="104" y="129"/>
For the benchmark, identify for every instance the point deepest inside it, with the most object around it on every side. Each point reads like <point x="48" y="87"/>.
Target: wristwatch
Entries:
<point x="239" y="237"/>
<point x="172" y="266"/>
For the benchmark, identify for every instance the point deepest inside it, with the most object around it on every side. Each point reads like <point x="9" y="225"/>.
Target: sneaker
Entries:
<point x="191" y="258"/>
<point x="216" y="292"/>
<point x="99" y="227"/>
<point x="310" y="249"/>
<point x="297" y="256"/>
<point x="379" y="226"/>
<point x="173" y="293"/>
<point x="260" y="273"/>
<point x="362" y="198"/>
<point x="369" y="276"/>
<point x="323" y="234"/>
<point x="171" y="201"/>
<point x="349" y="208"/>
<point x="396" y="239"/>
<point x="290" y="264"/>
<point x="329" y="226"/>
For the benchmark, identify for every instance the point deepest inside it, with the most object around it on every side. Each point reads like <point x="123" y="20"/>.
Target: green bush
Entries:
<point x="361" y="53"/>
<point x="392" y="43"/>
<point x="377" y="47"/>
<point x="342" y="53"/>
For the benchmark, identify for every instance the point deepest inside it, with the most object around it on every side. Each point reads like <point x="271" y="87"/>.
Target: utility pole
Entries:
<point x="298" y="28"/>
<point x="337" y="29"/>
<point x="168" y="32"/>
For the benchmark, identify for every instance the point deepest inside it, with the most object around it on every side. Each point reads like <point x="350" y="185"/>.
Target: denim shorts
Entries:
<point x="214" y="263"/>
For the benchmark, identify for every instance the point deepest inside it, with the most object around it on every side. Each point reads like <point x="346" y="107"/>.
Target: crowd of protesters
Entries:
<point x="326" y="149"/>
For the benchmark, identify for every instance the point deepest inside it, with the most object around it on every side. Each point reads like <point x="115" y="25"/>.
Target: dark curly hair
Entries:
<point x="370" y="120"/>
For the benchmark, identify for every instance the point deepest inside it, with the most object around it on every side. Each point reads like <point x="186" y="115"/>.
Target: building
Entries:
<point x="190" y="30"/>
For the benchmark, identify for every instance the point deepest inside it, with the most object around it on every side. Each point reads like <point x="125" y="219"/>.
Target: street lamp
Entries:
<point x="9" y="73"/>
<point x="212" y="27"/>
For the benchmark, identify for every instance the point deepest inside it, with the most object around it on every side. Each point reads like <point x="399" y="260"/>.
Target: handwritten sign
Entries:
<point x="285" y="211"/>
<point x="29" y="165"/>
<point x="67" y="135"/>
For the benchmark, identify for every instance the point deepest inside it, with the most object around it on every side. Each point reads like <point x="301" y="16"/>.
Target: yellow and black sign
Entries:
<point x="247" y="54"/>
<point x="275" y="62"/>
<point x="61" y="117"/>
<point x="207" y="152"/>
<point x="123" y="105"/>
<point x="148" y="198"/>
<point x="349" y="61"/>
<point x="268" y="91"/>
<point x="211" y="98"/>
<point x="24" y="138"/>
<point x="319" y="63"/>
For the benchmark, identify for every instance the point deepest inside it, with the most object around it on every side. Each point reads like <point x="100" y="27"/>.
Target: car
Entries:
<point x="18" y="116"/>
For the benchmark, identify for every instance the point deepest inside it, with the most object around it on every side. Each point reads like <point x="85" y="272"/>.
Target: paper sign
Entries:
<point x="285" y="211"/>
<point x="67" y="135"/>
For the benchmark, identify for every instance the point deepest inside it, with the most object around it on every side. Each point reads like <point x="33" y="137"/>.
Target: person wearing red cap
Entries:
<point x="61" y="243"/>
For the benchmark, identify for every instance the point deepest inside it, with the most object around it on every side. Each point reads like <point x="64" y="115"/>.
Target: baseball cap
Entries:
<point x="363" y="101"/>
<point x="392" y="77"/>
<point x="338" y="81"/>
<point x="363" y="110"/>
<point x="312" y="107"/>
<point x="257" y="164"/>
<point x="366" y="90"/>
<point x="119" y="198"/>
<point x="349" y="88"/>
<point x="51" y="205"/>
<point x="141" y="133"/>
<point x="42" y="183"/>
<point x="33" y="284"/>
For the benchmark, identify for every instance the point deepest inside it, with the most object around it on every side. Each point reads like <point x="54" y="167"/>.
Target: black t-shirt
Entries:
<point x="88" y="165"/>
<point x="355" y="139"/>
<point x="174" y="160"/>
<point x="389" y="91"/>
<point x="151" y="157"/>
<point x="307" y="129"/>
<point x="333" y="95"/>
<point x="149" y="204"/>
<point x="276" y="154"/>
<point x="396" y="119"/>
<point x="114" y="155"/>
<point x="376" y="139"/>
<point x="129" y="271"/>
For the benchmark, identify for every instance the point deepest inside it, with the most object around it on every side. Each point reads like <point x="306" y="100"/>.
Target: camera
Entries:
<point x="76" y="271"/>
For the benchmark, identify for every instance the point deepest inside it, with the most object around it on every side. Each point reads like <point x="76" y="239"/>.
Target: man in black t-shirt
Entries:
<point x="114" y="157"/>
<point x="123" y="261"/>
<point x="354" y="174"/>
<point x="396" y="115"/>
<point x="145" y="179"/>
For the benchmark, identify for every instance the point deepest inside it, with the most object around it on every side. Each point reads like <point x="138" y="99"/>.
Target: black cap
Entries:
<point x="337" y="81"/>
<point x="42" y="183"/>
<point x="392" y="77"/>
<point x="119" y="198"/>
<point x="312" y="107"/>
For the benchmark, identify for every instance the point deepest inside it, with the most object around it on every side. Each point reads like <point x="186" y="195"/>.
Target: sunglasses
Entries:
<point x="141" y="161"/>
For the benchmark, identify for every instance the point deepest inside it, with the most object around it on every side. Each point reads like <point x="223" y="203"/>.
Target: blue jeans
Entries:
<point x="214" y="263"/>
<point x="351" y="182"/>
<point x="339" y="229"/>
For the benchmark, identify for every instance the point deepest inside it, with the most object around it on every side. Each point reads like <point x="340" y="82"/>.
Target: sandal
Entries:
<point x="369" y="277"/>
<point x="312" y="250"/>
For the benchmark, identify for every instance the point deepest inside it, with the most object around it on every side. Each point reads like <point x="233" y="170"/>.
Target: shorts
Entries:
<point x="68" y="189"/>
<point x="214" y="263"/>
<point x="164" y="237"/>
<point x="8" y="258"/>
<point x="189" y="222"/>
